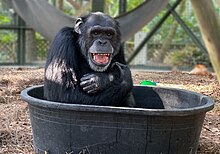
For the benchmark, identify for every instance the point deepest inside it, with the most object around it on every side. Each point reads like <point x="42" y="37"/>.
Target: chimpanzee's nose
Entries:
<point x="102" y="42"/>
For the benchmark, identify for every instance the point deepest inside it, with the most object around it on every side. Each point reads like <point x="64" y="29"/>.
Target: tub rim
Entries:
<point x="119" y="110"/>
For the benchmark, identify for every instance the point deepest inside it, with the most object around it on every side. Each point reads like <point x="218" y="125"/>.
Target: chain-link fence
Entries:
<point x="19" y="44"/>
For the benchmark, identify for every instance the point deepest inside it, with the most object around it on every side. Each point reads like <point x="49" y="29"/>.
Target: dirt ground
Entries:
<point x="15" y="128"/>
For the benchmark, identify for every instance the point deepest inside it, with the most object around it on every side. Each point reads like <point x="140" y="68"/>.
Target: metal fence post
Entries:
<point x="21" y="42"/>
<point x="98" y="5"/>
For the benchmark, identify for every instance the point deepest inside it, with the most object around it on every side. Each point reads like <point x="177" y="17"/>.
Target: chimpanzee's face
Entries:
<point x="99" y="39"/>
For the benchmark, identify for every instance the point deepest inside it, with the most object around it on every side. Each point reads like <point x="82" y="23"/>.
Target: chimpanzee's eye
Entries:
<point x="95" y="33"/>
<point x="109" y="33"/>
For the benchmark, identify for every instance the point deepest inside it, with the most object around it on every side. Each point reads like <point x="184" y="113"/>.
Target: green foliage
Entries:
<point x="4" y="19"/>
<point x="189" y="56"/>
<point x="6" y="36"/>
<point x="131" y="4"/>
<point x="69" y="9"/>
<point x="42" y="46"/>
<point x="39" y="36"/>
<point x="112" y="6"/>
<point x="180" y="36"/>
<point x="217" y="6"/>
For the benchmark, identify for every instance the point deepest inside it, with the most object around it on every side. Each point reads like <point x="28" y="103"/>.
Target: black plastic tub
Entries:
<point x="167" y="121"/>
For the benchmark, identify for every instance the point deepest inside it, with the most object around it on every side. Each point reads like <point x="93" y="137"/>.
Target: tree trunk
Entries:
<point x="59" y="4"/>
<point x="210" y="28"/>
<point x="74" y="4"/>
<point x="80" y="9"/>
<point x="159" y="57"/>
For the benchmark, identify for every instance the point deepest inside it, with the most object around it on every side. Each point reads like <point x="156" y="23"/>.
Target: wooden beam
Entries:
<point x="210" y="28"/>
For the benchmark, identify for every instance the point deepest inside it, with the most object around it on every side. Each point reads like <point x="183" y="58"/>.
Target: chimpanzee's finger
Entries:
<point x="85" y="83"/>
<point x="90" y="88"/>
<point x="88" y="82"/>
<point x="94" y="90"/>
<point x="87" y="77"/>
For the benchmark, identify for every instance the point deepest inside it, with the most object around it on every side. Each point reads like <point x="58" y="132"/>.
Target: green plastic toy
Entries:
<point x="148" y="83"/>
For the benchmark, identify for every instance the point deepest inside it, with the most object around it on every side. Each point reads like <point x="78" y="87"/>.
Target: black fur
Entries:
<point x="70" y="78"/>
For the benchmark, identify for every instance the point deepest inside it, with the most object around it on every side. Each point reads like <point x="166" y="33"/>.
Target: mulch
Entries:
<point x="15" y="127"/>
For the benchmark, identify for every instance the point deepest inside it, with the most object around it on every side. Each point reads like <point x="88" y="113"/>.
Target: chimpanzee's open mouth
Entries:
<point x="101" y="58"/>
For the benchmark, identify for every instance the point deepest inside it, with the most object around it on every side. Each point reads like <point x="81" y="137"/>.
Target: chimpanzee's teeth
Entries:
<point x="100" y="54"/>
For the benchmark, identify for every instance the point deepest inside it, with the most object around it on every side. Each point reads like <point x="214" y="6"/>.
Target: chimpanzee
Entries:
<point x="86" y="64"/>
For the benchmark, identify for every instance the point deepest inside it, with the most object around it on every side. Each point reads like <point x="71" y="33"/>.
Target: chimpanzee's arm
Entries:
<point x="117" y="82"/>
<point x="61" y="65"/>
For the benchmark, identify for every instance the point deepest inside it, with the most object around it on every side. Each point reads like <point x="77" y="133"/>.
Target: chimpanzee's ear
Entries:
<point x="77" y="25"/>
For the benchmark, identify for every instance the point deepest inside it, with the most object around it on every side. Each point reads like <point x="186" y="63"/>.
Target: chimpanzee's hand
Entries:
<point x="92" y="83"/>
